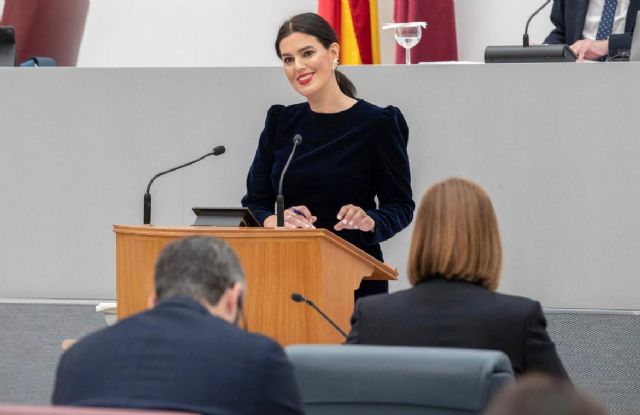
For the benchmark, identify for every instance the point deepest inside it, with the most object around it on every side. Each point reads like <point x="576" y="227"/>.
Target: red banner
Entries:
<point x="439" y="40"/>
<point x="47" y="28"/>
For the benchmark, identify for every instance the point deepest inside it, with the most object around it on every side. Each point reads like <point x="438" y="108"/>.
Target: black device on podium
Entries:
<point x="532" y="54"/>
<point x="527" y="53"/>
<point x="238" y="216"/>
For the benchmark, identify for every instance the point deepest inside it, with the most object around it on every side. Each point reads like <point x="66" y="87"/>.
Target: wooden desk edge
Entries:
<point x="381" y="269"/>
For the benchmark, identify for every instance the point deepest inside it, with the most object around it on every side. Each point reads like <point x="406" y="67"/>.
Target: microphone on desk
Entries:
<point x="525" y="37"/>
<point x="525" y="53"/>
<point x="299" y="298"/>
<point x="147" y="196"/>
<point x="297" y="139"/>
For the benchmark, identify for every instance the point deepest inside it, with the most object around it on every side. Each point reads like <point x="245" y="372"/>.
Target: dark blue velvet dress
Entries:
<point x="348" y="157"/>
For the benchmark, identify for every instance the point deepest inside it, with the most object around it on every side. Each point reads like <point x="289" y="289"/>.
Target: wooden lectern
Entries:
<point x="277" y="263"/>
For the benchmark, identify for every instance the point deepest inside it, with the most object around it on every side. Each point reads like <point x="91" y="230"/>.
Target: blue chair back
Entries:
<point x="36" y="61"/>
<point x="380" y="380"/>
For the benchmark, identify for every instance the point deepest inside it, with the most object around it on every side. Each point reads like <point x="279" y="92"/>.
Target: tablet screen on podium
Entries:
<point x="239" y="216"/>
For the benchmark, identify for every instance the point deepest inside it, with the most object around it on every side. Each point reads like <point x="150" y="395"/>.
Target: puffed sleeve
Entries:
<point x="540" y="353"/>
<point x="392" y="177"/>
<point x="261" y="196"/>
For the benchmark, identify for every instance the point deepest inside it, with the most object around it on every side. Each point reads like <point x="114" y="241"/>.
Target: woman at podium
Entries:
<point x="351" y="152"/>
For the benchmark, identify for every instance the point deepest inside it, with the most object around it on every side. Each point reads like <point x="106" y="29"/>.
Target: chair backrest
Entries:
<point x="36" y="61"/>
<point x="68" y="410"/>
<point x="375" y="380"/>
<point x="7" y="46"/>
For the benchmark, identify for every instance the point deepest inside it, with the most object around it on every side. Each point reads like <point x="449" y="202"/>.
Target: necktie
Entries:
<point x="606" y="21"/>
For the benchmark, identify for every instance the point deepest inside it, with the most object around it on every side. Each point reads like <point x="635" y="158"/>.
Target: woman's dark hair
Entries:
<point x="314" y="25"/>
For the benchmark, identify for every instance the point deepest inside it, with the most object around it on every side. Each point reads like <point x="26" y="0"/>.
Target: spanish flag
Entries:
<point x="356" y="24"/>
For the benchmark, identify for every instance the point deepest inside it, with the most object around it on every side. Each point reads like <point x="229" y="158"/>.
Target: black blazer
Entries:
<point x="568" y="17"/>
<point x="178" y="356"/>
<point x="452" y="313"/>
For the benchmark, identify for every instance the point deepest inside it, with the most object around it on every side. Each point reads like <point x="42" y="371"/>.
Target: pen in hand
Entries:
<point x="308" y="219"/>
<point x="298" y="212"/>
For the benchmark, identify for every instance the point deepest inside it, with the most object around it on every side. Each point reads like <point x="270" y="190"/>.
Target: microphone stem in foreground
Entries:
<point x="326" y="317"/>
<point x="279" y="196"/>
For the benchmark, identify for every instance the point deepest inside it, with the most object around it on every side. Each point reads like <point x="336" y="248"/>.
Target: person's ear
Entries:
<point x="234" y="300"/>
<point x="152" y="300"/>
<point x="334" y="50"/>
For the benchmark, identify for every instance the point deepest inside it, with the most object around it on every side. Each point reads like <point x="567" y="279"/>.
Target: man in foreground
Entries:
<point x="186" y="352"/>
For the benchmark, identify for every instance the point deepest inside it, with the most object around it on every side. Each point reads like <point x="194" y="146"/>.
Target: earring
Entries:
<point x="334" y="64"/>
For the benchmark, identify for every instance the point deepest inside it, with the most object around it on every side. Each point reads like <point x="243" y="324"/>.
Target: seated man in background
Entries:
<point x="594" y="29"/>
<point x="455" y="261"/>
<point x="186" y="352"/>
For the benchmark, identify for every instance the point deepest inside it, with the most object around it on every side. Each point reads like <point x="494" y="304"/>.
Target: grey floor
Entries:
<point x="599" y="350"/>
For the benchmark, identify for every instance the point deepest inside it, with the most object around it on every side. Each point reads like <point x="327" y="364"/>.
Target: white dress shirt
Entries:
<point x="594" y="12"/>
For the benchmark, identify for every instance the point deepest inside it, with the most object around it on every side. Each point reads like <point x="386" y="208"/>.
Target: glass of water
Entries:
<point x="407" y="35"/>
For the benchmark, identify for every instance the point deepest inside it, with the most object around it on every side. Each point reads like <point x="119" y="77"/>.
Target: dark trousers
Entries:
<point x="371" y="288"/>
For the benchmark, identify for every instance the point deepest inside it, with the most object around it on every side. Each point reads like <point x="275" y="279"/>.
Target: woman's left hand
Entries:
<point x="354" y="217"/>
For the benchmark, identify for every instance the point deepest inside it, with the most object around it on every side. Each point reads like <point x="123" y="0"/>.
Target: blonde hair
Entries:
<point x="456" y="235"/>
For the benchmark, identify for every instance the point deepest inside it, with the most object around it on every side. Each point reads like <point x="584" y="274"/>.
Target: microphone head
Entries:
<point x="218" y="150"/>
<point x="297" y="139"/>
<point x="297" y="297"/>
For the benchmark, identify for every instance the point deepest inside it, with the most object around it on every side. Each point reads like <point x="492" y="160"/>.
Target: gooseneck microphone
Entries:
<point x="299" y="298"/>
<point x="147" y="196"/>
<point x="297" y="139"/>
<point x="525" y="53"/>
<point x="525" y="37"/>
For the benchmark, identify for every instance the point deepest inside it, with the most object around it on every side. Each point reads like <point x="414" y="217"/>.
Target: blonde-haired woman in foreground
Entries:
<point x="454" y="266"/>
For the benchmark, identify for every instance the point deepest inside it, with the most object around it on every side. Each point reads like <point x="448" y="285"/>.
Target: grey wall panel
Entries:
<point x="31" y="344"/>
<point x="599" y="349"/>
<point x="556" y="154"/>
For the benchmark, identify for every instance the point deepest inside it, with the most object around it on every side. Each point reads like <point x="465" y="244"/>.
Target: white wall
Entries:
<point x="183" y="33"/>
<point x="131" y="33"/>
<point x="81" y="145"/>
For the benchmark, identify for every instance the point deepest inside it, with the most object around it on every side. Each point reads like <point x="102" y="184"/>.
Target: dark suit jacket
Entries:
<point x="451" y="313"/>
<point x="178" y="356"/>
<point x="568" y="17"/>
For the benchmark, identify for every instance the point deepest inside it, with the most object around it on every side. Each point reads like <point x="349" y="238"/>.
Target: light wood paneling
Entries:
<point x="277" y="262"/>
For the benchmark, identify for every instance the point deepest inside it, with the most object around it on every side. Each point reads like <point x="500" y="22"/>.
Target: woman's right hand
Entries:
<point x="294" y="217"/>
